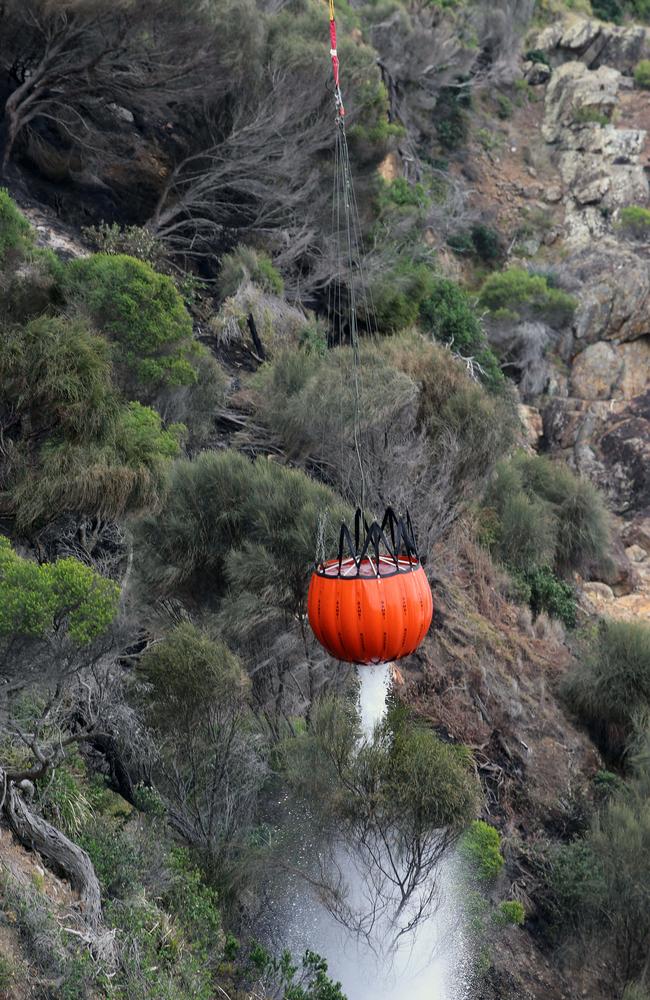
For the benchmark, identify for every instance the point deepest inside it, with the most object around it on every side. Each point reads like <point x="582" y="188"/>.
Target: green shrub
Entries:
<point x="16" y="234"/>
<point x="555" y="597"/>
<point x="64" y="800"/>
<point x="61" y="597"/>
<point x="210" y="672"/>
<point x="115" y="857"/>
<point x="397" y="295"/>
<point x="642" y="74"/>
<point x="545" y="516"/>
<point x="606" y="783"/>
<point x="245" y="263"/>
<point x="7" y="972"/>
<point x="522" y="294"/>
<point x="636" y="991"/>
<point x="450" y="117"/>
<point x="640" y="9"/>
<point x="127" y="471"/>
<point x="142" y="312"/>
<point x="222" y="501"/>
<point x="510" y="911"/>
<point x="136" y="241"/>
<point x="587" y="116"/>
<point x="608" y="10"/>
<point x="599" y="883"/>
<point x="447" y="313"/>
<point x="480" y="241"/>
<point x="635" y="220"/>
<point x="611" y="683"/>
<point x="194" y="903"/>
<point x="56" y="375"/>
<point x="480" y="847"/>
<point x="537" y="56"/>
<point x="504" y="107"/>
<point x="581" y="516"/>
<point x="399" y="192"/>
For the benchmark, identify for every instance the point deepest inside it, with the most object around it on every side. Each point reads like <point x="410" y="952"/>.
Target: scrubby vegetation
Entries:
<point x="635" y="221"/>
<point x="543" y="522"/>
<point x="186" y="415"/>
<point x="518" y="294"/>
<point x="610" y="689"/>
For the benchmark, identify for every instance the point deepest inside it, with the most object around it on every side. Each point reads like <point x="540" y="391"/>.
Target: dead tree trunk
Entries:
<point x="37" y="834"/>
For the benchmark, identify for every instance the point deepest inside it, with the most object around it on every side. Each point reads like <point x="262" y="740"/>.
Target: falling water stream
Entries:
<point x="431" y="962"/>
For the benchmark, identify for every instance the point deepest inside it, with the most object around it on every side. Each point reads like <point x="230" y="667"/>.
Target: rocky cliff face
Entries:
<point x="591" y="151"/>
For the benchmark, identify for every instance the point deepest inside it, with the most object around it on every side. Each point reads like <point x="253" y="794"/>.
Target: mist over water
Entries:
<point x="429" y="962"/>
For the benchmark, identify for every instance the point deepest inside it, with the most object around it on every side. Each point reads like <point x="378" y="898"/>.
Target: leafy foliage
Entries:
<point x="56" y="376"/>
<point x="16" y="234"/>
<point x="142" y="312"/>
<point x="307" y="981"/>
<point x="599" y="882"/>
<point x="64" y="596"/>
<point x="126" y="471"/>
<point x="510" y="911"/>
<point x="479" y="241"/>
<point x="545" y="516"/>
<point x="451" y="122"/>
<point x="210" y="672"/>
<point x="397" y="295"/>
<point x="548" y="593"/>
<point x="480" y="847"/>
<point x="611" y="684"/>
<point x="447" y="312"/>
<point x="222" y="502"/>
<point x="634" y="219"/>
<point x="245" y="263"/>
<point x="518" y="294"/>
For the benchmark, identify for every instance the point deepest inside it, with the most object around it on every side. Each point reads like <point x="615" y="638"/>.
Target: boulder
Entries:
<point x="573" y="91"/>
<point x="593" y="42"/>
<point x="537" y="74"/>
<point x="613" y="289"/>
<point x="595" y="371"/>
<point x="533" y="425"/>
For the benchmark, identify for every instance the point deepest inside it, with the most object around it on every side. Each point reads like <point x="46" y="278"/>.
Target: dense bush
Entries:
<point x="551" y="595"/>
<point x="635" y="220"/>
<point x="642" y="74"/>
<point x="123" y="472"/>
<point x="448" y="313"/>
<point x="510" y="911"/>
<point x="396" y="296"/>
<point x="16" y="234"/>
<point x="56" y="376"/>
<point x="545" y="516"/>
<point x="479" y="240"/>
<point x="245" y="263"/>
<point x="64" y="597"/>
<point x="480" y="847"/>
<point x="221" y="502"/>
<point x="611" y="683"/>
<point x="451" y="120"/>
<point x="517" y="294"/>
<point x="401" y="194"/>
<point x="608" y="10"/>
<point x="599" y="882"/>
<point x="142" y="312"/>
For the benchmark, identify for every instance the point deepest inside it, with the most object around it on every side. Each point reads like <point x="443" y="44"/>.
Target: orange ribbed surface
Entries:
<point x="370" y="618"/>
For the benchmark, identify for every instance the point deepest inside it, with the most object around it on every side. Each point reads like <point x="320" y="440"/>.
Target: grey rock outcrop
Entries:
<point x="595" y="43"/>
<point x="600" y="165"/>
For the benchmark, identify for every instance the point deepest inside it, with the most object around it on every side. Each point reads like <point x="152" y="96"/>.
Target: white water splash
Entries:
<point x="374" y="682"/>
<point x="432" y="962"/>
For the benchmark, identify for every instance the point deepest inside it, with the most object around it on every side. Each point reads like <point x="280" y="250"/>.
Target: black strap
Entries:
<point x="400" y="540"/>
